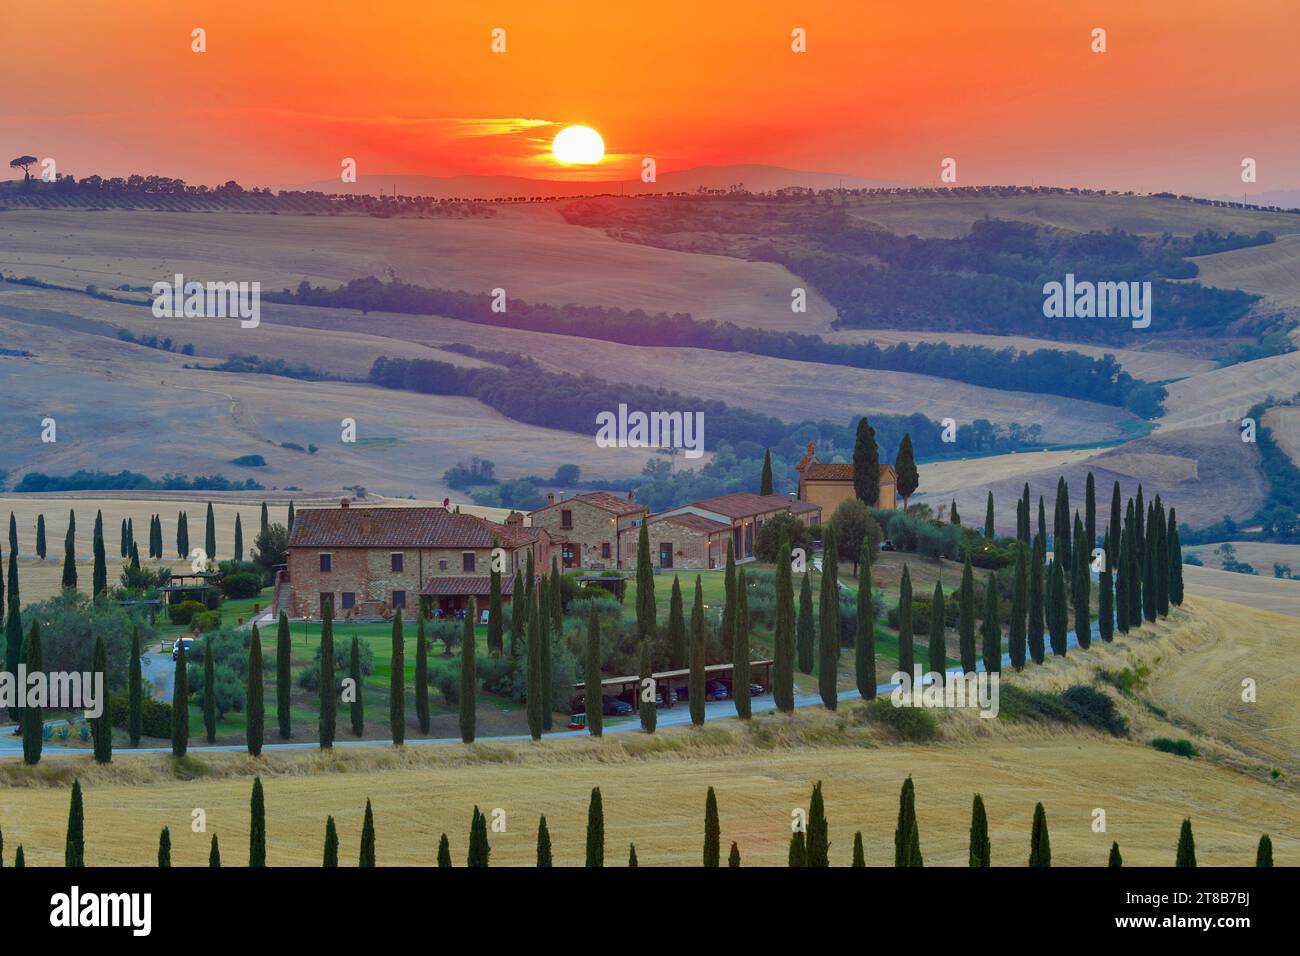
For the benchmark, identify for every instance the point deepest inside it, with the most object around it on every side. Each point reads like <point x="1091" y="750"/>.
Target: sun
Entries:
<point x="578" y="145"/>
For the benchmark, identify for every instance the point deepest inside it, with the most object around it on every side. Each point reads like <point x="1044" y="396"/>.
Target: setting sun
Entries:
<point x="578" y="144"/>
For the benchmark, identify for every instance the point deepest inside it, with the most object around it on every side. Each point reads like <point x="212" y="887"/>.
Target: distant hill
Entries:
<point x="754" y="177"/>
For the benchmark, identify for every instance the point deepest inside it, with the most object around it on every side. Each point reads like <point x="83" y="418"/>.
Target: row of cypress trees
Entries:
<point x="809" y="840"/>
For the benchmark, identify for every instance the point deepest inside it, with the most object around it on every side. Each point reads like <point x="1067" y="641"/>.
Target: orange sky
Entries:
<point x="887" y="88"/>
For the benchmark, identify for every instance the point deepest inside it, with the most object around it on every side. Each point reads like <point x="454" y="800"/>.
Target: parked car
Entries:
<point x="754" y="688"/>
<point x="887" y="545"/>
<point x="715" y="690"/>
<point x="176" y="647"/>
<point x="613" y="707"/>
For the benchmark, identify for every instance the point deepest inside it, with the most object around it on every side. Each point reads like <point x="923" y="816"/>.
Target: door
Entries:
<point x="665" y="554"/>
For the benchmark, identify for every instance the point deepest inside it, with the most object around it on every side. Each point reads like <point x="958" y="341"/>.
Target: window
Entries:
<point x="566" y="518"/>
<point x="349" y="599"/>
<point x="442" y="564"/>
<point x="604" y="549"/>
<point x="399" y="599"/>
<point x="397" y="559"/>
<point x="467" y="562"/>
<point x="325" y="562"/>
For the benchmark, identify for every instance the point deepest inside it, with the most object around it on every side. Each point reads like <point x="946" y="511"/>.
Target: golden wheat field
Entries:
<point x="653" y="788"/>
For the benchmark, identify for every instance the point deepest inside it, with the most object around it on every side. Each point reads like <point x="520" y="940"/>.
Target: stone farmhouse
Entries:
<point x="368" y="562"/>
<point x="827" y="484"/>
<point x="695" y="536"/>
<point x="587" y="529"/>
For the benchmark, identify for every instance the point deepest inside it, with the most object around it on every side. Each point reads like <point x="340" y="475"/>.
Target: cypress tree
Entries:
<point x="357" y="707"/>
<point x="239" y="538"/>
<point x="265" y="519"/>
<point x="40" y="537"/>
<point x="18" y="858"/>
<point x="906" y="641"/>
<point x="183" y="534"/>
<point x="69" y="559"/>
<point x="328" y="689"/>
<point x="1080" y="594"/>
<point x="979" y="834"/>
<point x="938" y="650"/>
<point x="646" y="709"/>
<point x="479" y="851"/>
<point x="102" y="726"/>
<point x="135" y="692"/>
<point x="135" y="558"/>
<point x="859" y="854"/>
<point x="729" y="603"/>
<point x="210" y="535"/>
<point x="864" y="636"/>
<point x="13" y="627"/>
<point x="1115" y="514"/>
<point x="422" y="676"/>
<point x="1058" y="618"/>
<point x="1133" y="559"/>
<point x="496" y="627"/>
<point x="543" y="843"/>
<point x="1040" y="844"/>
<point x="165" y="848"/>
<point x="210" y="692"/>
<point x="1264" y="852"/>
<point x="444" y="851"/>
<point x="1160" y="567"/>
<point x="1149" y="570"/>
<point x="866" y="464"/>
<point x="214" y="854"/>
<point x="1042" y="524"/>
<point x="256" y="696"/>
<point x="595" y="830"/>
<point x="1019" y="612"/>
<point x="557" y="601"/>
<point x="966" y="618"/>
<point x="1115" y="859"/>
<point x="798" y="853"/>
<point x="712" y="830"/>
<point x="954" y="517"/>
<point x="828" y="645"/>
<point x="283" y="678"/>
<point x="817" y="846"/>
<point x="257" y="826"/>
<point x="367" y="855"/>
<point x="1121" y="583"/>
<point x="645" y="585"/>
<point x="1027" y="535"/>
<point x="678" y="652"/>
<point x="469" y="679"/>
<point x="1186" y="845"/>
<point x="765" y="479"/>
<point x="330" y="857"/>
<point x="1175" y="569"/>
<point x="805" y="639"/>
<point x="1089" y="515"/>
<point x="543" y="609"/>
<point x="631" y="856"/>
<point x="397" y="675"/>
<point x="291" y="517"/>
<point x="696" y="695"/>
<point x="1105" y="606"/>
<point x="740" y="652"/>
<point x="32" y="719"/>
<point x="518" y="618"/>
<point x="991" y="629"/>
<point x="534" y="686"/>
<point x="907" y="838"/>
<point x="593" y="676"/>
<point x="155" y="539"/>
<point x="733" y="858"/>
<point x="988" y="518"/>
<point x="99" y="580"/>
<point x="1061" y="544"/>
<point x="907" y="479"/>
<point x="783" y="633"/>
<point x="74" y="851"/>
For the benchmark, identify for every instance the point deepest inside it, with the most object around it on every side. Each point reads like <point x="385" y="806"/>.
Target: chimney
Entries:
<point x="515" y="517"/>
<point x="344" y="502"/>
<point x="550" y="498"/>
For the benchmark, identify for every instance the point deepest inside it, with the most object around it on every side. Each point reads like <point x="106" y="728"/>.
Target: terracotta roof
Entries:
<point x="743" y="504"/>
<point x="838" y="471"/>
<point x="606" y="501"/>
<point x="387" y="528"/>
<point x="698" y="522"/>
<point x="465" y="586"/>
<point x="803" y="507"/>
<point x="512" y="535"/>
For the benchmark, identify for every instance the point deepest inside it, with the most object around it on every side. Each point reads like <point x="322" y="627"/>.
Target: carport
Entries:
<point x="760" y="672"/>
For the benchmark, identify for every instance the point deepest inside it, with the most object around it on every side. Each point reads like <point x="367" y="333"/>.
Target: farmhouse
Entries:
<point x="587" y="528"/>
<point x="695" y="536"/>
<point x="372" y="561"/>
<point x="827" y="483"/>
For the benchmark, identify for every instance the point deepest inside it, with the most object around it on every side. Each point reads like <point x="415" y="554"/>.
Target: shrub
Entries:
<point x="242" y="584"/>
<point x="1179" y="748"/>
<point x="913" y="724"/>
<point x="183" y="613"/>
<point x="206" y="621"/>
<point x="156" y="717"/>
<point x="1095" y="709"/>
<point x="768" y="541"/>
<point x="309" y="676"/>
